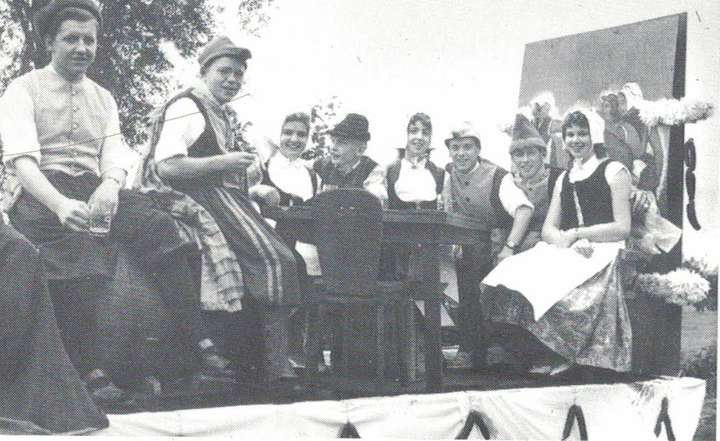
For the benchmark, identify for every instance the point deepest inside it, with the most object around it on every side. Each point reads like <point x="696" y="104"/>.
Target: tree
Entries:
<point x="129" y="61"/>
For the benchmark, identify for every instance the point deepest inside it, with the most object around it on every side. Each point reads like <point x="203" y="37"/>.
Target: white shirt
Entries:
<point x="581" y="171"/>
<point x="292" y="177"/>
<point x="415" y="182"/>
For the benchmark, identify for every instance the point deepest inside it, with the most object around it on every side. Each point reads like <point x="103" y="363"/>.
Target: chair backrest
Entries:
<point x="348" y="235"/>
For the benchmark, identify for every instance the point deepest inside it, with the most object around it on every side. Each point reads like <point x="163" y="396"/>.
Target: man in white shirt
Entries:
<point x="67" y="164"/>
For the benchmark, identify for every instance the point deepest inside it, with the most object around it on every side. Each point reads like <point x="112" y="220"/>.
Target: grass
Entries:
<point x="699" y="354"/>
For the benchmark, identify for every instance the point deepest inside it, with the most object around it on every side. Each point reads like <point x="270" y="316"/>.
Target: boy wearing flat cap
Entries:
<point x="477" y="188"/>
<point x="347" y="166"/>
<point x="67" y="164"/>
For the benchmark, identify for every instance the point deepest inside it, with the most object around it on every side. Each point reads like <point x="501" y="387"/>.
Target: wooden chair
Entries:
<point x="348" y="233"/>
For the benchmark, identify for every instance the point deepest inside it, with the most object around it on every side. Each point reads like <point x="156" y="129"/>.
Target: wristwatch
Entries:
<point x="511" y="245"/>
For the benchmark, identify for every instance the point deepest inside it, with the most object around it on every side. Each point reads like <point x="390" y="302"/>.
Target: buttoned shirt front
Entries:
<point x="71" y="127"/>
<point x="472" y="190"/>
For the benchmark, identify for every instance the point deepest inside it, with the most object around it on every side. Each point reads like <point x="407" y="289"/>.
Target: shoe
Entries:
<point x="104" y="392"/>
<point x="213" y="364"/>
<point x="462" y="360"/>
<point x="540" y="370"/>
<point x="287" y="387"/>
<point x="560" y="369"/>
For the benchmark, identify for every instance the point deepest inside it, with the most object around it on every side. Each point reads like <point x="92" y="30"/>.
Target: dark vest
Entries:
<point x="393" y="173"/>
<point x="285" y="198"/>
<point x="594" y="197"/>
<point x="206" y="145"/>
<point x="355" y="178"/>
<point x="484" y="182"/>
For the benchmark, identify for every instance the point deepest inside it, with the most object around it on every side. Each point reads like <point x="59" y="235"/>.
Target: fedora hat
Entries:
<point x="354" y="126"/>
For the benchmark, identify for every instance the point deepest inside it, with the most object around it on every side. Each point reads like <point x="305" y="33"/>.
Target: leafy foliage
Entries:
<point x="703" y="364"/>
<point x="322" y="118"/>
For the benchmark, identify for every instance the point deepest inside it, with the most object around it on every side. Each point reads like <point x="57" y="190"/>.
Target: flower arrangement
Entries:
<point x="710" y="273"/>
<point x="672" y="112"/>
<point x="682" y="286"/>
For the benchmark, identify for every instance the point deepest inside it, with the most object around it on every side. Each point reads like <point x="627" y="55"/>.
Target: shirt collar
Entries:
<point x="202" y="89"/>
<point x="588" y="166"/>
<point x="279" y="159"/>
<point x="541" y="176"/>
<point x="50" y="68"/>
<point x="420" y="164"/>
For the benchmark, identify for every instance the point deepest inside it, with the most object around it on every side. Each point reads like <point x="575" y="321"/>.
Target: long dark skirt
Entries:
<point x="40" y="391"/>
<point x="269" y="268"/>
<point x="268" y="264"/>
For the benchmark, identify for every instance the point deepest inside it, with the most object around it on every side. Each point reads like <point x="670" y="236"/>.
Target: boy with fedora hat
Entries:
<point x="347" y="166"/>
<point x="478" y="188"/>
<point x="67" y="166"/>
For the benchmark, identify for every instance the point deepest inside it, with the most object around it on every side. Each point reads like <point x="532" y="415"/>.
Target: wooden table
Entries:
<point x="428" y="228"/>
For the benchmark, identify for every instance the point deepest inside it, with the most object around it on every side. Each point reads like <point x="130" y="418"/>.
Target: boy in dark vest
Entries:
<point x="347" y="166"/>
<point x="478" y="188"/>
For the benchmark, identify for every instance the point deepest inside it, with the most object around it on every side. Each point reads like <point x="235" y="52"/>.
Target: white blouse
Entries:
<point x="292" y="177"/>
<point x="415" y="182"/>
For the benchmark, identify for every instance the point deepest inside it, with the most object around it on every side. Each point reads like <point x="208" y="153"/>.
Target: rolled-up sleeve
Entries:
<point x="17" y="124"/>
<point x="375" y="183"/>
<point x="511" y="196"/>
<point x="182" y="127"/>
<point x="115" y="153"/>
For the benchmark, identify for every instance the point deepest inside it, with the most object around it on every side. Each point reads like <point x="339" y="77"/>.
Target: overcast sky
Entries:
<point x="453" y="59"/>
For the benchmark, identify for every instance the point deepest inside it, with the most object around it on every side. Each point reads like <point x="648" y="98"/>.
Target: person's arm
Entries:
<point x="375" y="183"/>
<point x="182" y="127"/>
<point x="115" y="161"/>
<point x="72" y="213"/>
<point x="619" y="229"/>
<point x="551" y="232"/>
<point x="515" y="203"/>
<point x="183" y="167"/>
<point x="22" y="151"/>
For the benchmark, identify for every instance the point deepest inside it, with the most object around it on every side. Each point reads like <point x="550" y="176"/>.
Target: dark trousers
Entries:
<point x="150" y="235"/>
<point x="471" y="268"/>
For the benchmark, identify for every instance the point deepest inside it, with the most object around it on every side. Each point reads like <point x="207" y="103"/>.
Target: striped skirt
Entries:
<point x="268" y="265"/>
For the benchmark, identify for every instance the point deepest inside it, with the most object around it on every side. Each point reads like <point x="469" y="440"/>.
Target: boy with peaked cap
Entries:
<point x="477" y="188"/>
<point x="66" y="163"/>
<point x="199" y="165"/>
<point x="347" y="166"/>
<point x="527" y="152"/>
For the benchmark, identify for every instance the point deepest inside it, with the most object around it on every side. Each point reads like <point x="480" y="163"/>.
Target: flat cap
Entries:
<point x="44" y="17"/>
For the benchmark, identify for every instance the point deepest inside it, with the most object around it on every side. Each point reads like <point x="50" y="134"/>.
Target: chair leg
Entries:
<point x="380" y="345"/>
<point x="312" y="345"/>
<point x="403" y="340"/>
<point x="345" y="336"/>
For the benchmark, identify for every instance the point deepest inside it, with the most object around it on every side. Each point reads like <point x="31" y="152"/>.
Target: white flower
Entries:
<point x="680" y="287"/>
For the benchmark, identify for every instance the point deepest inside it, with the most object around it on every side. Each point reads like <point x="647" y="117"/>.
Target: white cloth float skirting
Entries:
<point x="599" y="412"/>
